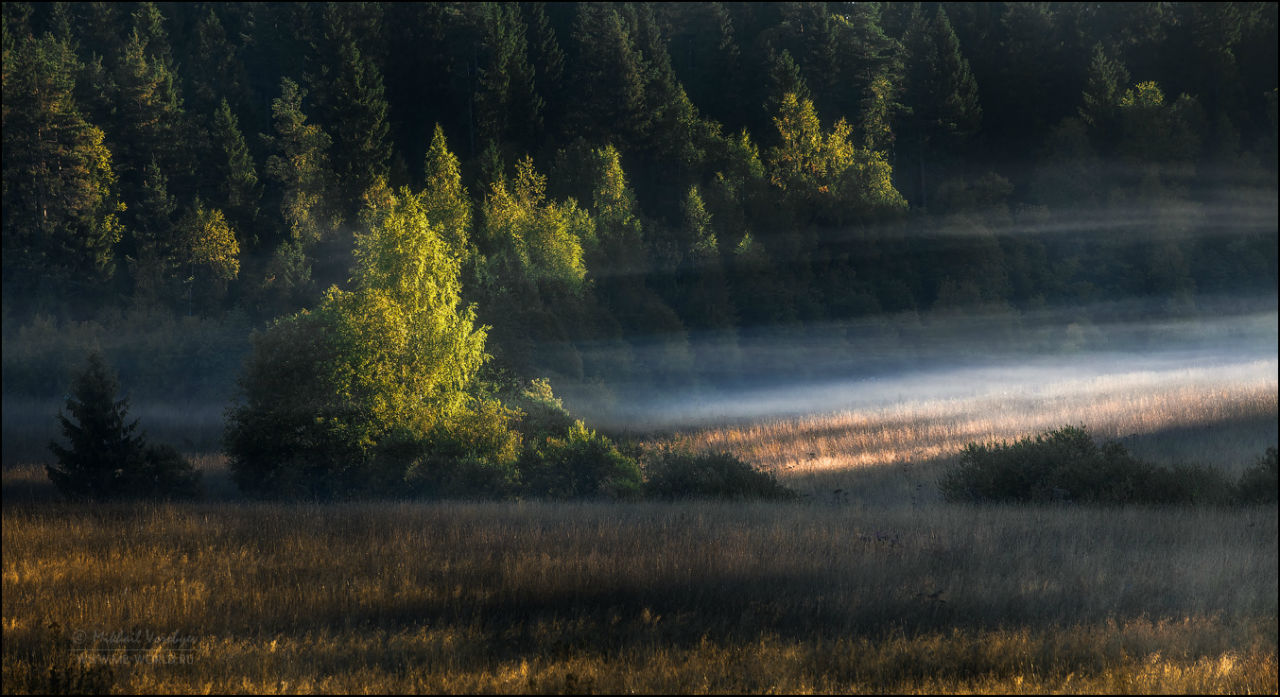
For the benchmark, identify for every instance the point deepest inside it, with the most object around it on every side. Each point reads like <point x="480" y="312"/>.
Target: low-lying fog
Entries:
<point x="892" y="363"/>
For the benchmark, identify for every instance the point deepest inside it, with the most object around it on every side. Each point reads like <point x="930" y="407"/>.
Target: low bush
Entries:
<point x="1066" y="465"/>
<point x="1259" y="484"/>
<point x="580" y="464"/>
<point x="681" y="474"/>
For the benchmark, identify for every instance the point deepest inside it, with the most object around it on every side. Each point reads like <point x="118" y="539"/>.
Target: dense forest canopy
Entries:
<point x="605" y="171"/>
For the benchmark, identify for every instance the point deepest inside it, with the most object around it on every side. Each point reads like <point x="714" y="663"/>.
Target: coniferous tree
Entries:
<point x="611" y="71"/>
<point x="1101" y="99"/>
<point x="234" y="173"/>
<point x="149" y="119"/>
<point x="362" y="145"/>
<point x="300" y="166"/>
<point x="508" y="106"/>
<point x="305" y="190"/>
<point x="106" y="457"/>
<point x="941" y="92"/>
<point x="61" y="212"/>
<point x="156" y="255"/>
<point x="548" y="65"/>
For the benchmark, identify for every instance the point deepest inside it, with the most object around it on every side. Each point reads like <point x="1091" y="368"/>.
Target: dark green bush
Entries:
<point x="581" y="464"/>
<point x="107" y="458"/>
<point x="543" y="413"/>
<point x="679" y="474"/>
<point x="1258" y="484"/>
<point x="1066" y="465"/>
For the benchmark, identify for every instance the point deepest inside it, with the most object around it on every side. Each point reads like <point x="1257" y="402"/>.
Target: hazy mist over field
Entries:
<point x="892" y="362"/>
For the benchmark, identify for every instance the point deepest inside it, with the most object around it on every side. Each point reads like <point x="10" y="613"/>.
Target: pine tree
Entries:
<point x="548" y="63"/>
<point x="1101" y="98"/>
<point x="156" y="253"/>
<point x="784" y="79"/>
<point x="508" y="106"/>
<point x="150" y="121"/>
<point x="300" y="166"/>
<point x="610" y="74"/>
<point x="61" y="215"/>
<point x="941" y="92"/>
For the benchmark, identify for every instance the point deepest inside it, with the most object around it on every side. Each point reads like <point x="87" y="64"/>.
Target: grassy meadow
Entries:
<point x="870" y="584"/>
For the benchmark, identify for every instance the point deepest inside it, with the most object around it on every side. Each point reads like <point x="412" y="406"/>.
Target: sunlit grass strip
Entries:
<point x="919" y="430"/>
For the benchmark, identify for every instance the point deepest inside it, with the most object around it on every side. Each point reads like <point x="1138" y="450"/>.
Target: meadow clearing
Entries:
<point x="871" y="584"/>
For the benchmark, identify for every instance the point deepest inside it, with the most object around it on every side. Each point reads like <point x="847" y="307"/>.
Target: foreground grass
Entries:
<point x="647" y="597"/>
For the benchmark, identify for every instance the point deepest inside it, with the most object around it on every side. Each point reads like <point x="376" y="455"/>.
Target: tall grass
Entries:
<point x="643" y="597"/>
<point x="873" y="585"/>
<point x="895" y="453"/>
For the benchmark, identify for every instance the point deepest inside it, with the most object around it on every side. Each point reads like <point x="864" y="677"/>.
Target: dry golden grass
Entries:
<point x="1205" y="416"/>
<point x="878" y="588"/>
<point x="648" y="597"/>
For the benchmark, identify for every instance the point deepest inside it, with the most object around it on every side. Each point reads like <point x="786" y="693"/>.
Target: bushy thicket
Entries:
<point x="673" y="473"/>
<point x="1259" y="484"/>
<point x="1067" y="465"/>
<point x="107" y="458"/>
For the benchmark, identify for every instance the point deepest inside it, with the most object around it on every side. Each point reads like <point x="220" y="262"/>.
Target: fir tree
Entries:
<point x="107" y="458"/>
<point x="236" y="178"/>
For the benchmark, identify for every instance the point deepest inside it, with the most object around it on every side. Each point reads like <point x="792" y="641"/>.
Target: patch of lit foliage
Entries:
<point x="1068" y="466"/>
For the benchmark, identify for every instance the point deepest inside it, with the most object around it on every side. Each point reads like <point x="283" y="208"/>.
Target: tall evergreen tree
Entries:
<point x="611" y="72"/>
<point x="235" y="176"/>
<point x="507" y="104"/>
<point x="1106" y="81"/>
<point x="61" y="211"/>
<point x="362" y="144"/>
<point x="300" y="166"/>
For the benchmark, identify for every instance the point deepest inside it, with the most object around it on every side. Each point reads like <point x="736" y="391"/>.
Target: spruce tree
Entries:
<point x="106" y="457"/>
<point x="235" y="176"/>
<point x="362" y="143"/>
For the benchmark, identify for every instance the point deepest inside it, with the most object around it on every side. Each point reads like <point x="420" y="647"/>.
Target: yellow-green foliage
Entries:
<point x="397" y="353"/>
<point x="545" y="237"/>
<point x="827" y="169"/>
<point x="447" y="202"/>
<point x="210" y="243"/>
<point x="701" y="598"/>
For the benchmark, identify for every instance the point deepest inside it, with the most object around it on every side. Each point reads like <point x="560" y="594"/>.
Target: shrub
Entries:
<point x="473" y="456"/>
<point x="1067" y="465"/>
<point x="581" y="464"/>
<point x="1258" y="484"/>
<point x="677" y="474"/>
<point x="543" y="414"/>
<point x="107" y="458"/>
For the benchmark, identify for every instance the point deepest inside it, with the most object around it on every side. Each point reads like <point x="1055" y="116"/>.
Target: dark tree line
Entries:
<point x="611" y="170"/>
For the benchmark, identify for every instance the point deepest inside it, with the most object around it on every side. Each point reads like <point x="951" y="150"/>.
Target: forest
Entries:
<point x="605" y="171"/>
<point x="640" y="347"/>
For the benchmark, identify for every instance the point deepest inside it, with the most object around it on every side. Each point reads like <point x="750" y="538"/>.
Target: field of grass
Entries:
<point x="872" y="584"/>
<point x="646" y="597"/>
